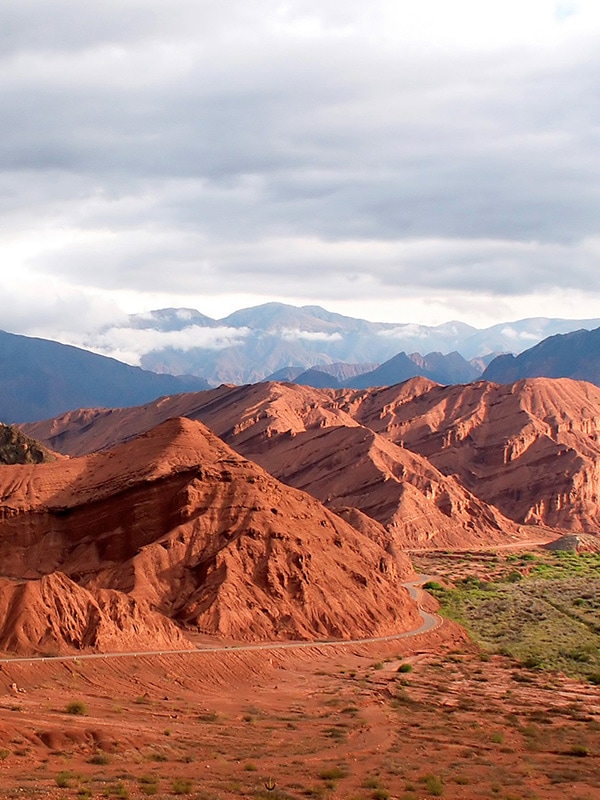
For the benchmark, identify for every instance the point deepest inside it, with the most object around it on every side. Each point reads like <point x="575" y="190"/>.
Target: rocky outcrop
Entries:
<point x="17" y="448"/>
<point x="531" y="449"/>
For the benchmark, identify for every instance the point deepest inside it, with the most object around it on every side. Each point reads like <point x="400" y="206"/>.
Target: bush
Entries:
<point x="405" y="668"/>
<point x="433" y="585"/>
<point x="99" y="758"/>
<point x="63" y="780"/>
<point x="434" y="784"/>
<point x="579" y="750"/>
<point x="76" y="707"/>
<point x="149" y="784"/>
<point x="380" y="794"/>
<point x="182" y="786"/>
<point x="333" y="773"/>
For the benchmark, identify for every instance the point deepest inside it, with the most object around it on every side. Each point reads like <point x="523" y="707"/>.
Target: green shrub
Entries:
<point x="63" y="779"/>
<point x="76" y="707"/>
<point x="434" y="784"/>
<point x="405" y="668"/>
<point x="380" y="794"/>
<point x="99" y="758"/>
<point x="182" y="786"/>
<point x="149" y="784"/>
<point x="579" y="750"/>
<point x="333" y="773"/>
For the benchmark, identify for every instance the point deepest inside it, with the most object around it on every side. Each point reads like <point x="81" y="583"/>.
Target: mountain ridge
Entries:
<point x="172" y="532"/>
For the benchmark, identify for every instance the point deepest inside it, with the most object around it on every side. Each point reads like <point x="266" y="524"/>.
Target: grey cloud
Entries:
<point x="257" y="158"/>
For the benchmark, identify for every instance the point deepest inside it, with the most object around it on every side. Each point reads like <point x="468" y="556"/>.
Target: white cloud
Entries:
<point x="290" y="334"/>
<point x="130" y="344"/>
<point x="520" y="336"/>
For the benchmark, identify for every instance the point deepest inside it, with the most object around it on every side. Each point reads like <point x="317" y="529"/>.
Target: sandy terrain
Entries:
<point x="319" y="722"/>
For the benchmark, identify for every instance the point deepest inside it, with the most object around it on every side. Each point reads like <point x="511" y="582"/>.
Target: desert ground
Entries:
<point x="426" y="716"/>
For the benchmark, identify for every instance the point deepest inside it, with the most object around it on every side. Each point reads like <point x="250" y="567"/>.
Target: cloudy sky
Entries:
<point x="395" y="160"/>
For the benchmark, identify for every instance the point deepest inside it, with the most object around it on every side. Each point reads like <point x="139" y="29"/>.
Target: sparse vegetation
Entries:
<point x="433" y="784"/>
<point x="63" y="779"/>
<point x="334" y="773"/>
<point x="99" y="758"/>
<point x="76" y="707"/>
<point x="182" y="786"/>
<point x="548" y="619"/>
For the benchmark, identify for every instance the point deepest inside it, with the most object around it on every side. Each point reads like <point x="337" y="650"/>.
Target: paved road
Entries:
<point x="429" y="622"/>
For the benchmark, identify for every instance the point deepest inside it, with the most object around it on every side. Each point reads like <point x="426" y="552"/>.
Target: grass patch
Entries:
<point x="548" y="618"/>
<point x="434" y="784"/>
<point x="99" y="758"/>
<point x="333" y="773"/>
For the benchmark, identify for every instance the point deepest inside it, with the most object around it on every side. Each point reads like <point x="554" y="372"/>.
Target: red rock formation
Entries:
<point x="175" y="526"/>
<point x="310" y="439"/>
<point x="532" y="449"/>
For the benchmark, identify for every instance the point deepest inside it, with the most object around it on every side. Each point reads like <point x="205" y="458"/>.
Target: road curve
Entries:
<point x="429" y="623"/>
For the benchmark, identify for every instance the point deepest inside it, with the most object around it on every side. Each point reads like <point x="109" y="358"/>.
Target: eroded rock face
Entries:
<point x="174" y="530"/>
<point x="313" y="440"/>
<point x="532" y="449"/>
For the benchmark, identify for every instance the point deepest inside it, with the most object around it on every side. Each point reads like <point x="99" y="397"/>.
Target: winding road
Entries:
<point x="429" y="622"/>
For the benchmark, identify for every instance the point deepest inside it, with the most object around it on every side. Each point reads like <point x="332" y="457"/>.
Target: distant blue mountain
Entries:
<point x="254" y="343"/>
<point x="40" y="379"/>
<point x="571" y="355"/>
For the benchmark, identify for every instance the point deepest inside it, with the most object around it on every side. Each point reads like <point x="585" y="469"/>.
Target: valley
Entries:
<point x="213" y="595"/>
<point x="420" y="717"/>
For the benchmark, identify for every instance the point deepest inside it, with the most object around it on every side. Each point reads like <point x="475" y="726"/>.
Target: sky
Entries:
<point x="391" y="160"/>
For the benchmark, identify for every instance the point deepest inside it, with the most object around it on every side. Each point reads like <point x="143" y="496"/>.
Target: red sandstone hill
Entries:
<point x="531" y="449"/>
<point x="174" y="531"/>
<point x="310" y="439"/>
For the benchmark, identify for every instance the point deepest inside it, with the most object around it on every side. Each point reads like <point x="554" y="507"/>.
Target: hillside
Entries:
<point x="531" y="449"/>
<point x="571" y="355"/>
<point x="174" y="532"/>
<point x="41" y="378"/>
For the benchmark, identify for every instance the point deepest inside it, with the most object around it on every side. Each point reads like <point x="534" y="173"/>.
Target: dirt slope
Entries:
<point x="177" y="524"/>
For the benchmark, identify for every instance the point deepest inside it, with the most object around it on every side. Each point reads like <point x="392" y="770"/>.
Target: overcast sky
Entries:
<point x="400" y="161"/>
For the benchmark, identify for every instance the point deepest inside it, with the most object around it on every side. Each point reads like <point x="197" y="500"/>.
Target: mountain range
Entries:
<point x="41" y="378"/>
<point x="255" y="343"/>
<point x="571" y="355"/>
<point x="437" y="466"/>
